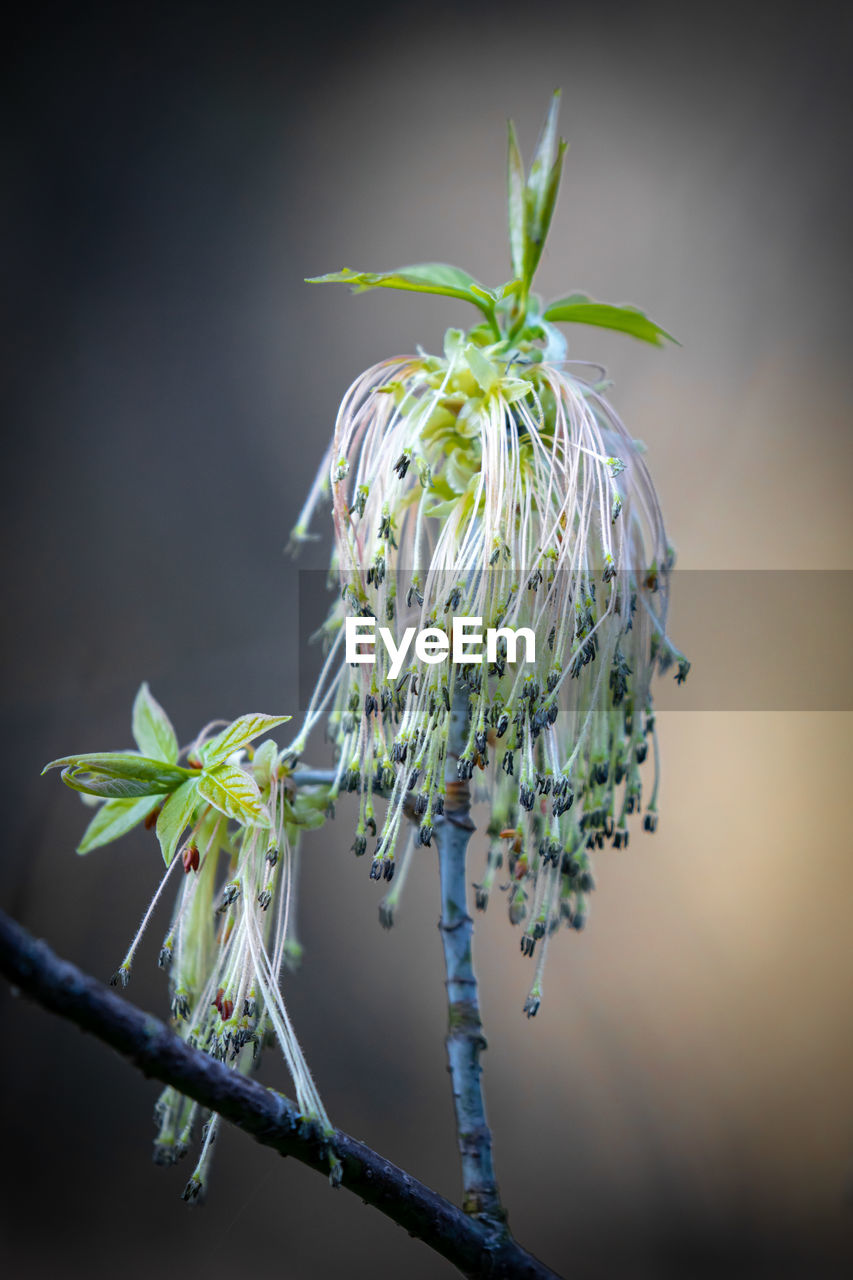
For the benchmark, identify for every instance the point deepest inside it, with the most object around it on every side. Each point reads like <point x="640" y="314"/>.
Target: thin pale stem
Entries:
<point x="465" y="1039"/>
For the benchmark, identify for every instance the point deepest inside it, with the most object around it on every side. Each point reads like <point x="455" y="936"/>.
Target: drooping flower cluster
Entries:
<point x="231" y="820"/>
<point x="494" y="483"/>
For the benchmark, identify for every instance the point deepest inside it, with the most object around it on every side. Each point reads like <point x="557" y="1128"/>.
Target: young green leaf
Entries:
<point x="233" y="793"/>
<point x="119" y="774"/>
<point x="545" y="212"/>
<point x="421" y="277"/>
<point x="113" y="819"/>
<point x="579" y="309"/>
<point x="515" y="201"/>
<point x="237" y="735"/>
<point x="540" y="193"/>
<point x="152" y="728"/>
<point x="175" y="817"/>
<point x="543" y="161"/>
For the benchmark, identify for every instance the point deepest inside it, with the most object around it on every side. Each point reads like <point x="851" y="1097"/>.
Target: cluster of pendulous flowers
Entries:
<point x="494" y="482"/>
<point x="228" y="822"/>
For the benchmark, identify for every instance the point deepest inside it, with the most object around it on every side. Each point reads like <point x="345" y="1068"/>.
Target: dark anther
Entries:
<point x="562" y="803"/>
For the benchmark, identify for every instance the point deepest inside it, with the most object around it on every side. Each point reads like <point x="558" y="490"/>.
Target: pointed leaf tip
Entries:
<point x="540" y="189"/>
<point x="237" y="735"/>
<point x="152" y="728"/>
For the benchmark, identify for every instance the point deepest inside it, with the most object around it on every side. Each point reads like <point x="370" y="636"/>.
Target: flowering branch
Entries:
<point x="267" y="1116"/>
<point x="465" y="1040"/>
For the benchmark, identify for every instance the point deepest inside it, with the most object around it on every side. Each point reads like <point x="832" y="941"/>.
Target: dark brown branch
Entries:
<point x="271" y="1119"/>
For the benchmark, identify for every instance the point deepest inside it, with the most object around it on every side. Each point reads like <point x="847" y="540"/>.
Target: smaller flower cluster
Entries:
<point x="230" y="819"/>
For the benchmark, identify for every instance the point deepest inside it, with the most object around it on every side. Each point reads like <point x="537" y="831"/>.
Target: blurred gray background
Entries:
<point x="683" y="1103"/>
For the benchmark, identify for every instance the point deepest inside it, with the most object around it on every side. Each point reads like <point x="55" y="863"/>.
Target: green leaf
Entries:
<point x="152" y="728"/>
<point x="175" y="816"/>
<point x="545" y="211"/>
<point x="238" y="733"/>
<point x="119" y="774"/>
<point x="543" y="161"/>
<point x="579" y="309"/>
<point x="421" y="277"/>
<point x="515" y="201"/>
<point x="113" y="819"/>
<point x="233" y="793"/>
<point x="540" y="195"/>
